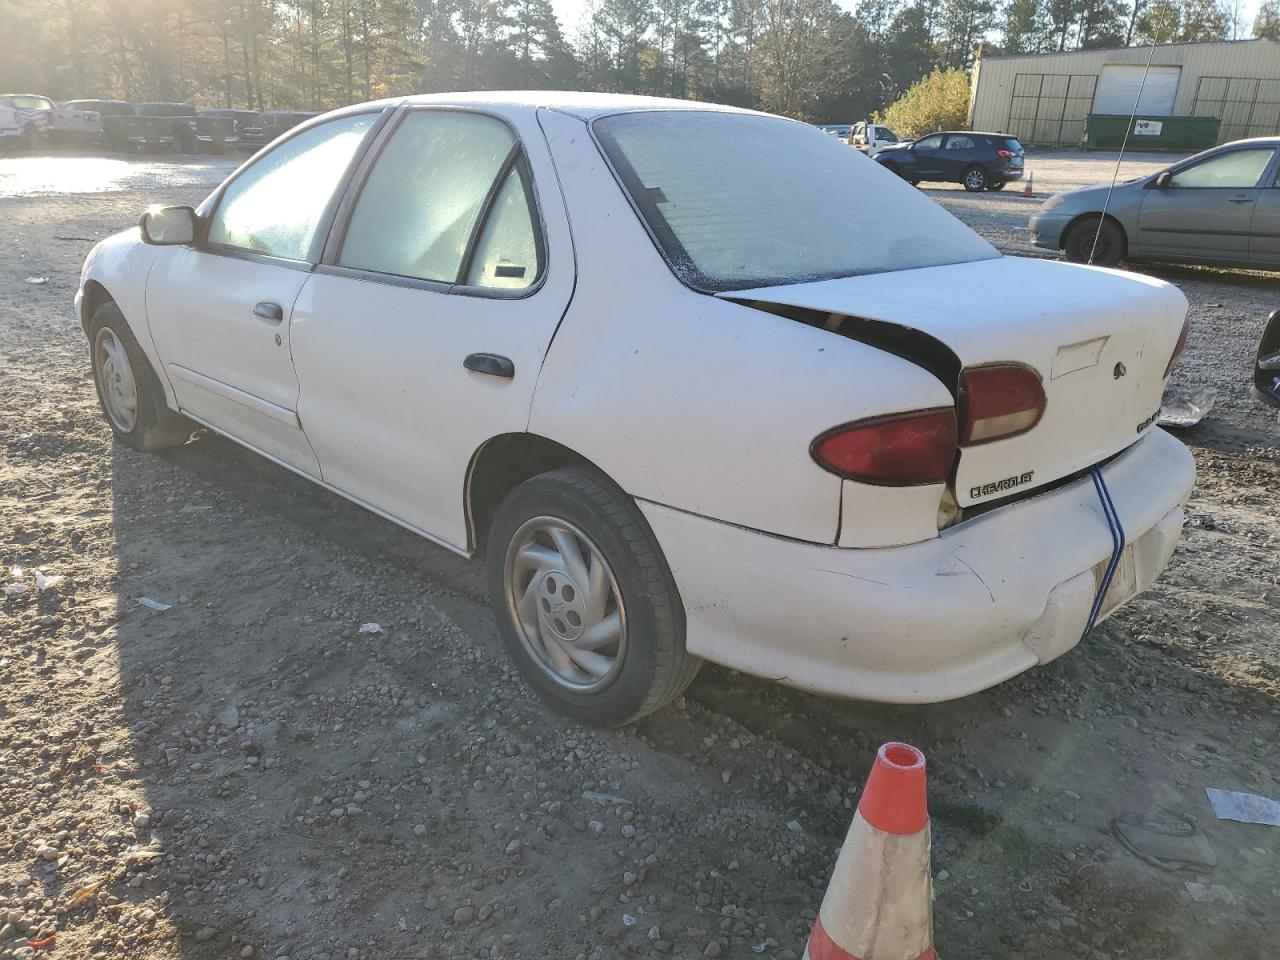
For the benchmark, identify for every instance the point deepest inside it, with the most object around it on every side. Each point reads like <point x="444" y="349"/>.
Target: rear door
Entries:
<point x="422" y="333"/>
<point x="219" y="310"/>
<point x="1206" y="211"/>
<point x="958" y="153"/>
<point x="1264" y="230"/>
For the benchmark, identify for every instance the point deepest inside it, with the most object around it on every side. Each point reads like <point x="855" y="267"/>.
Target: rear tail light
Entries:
<point x="1178" y="347"/>
<point x="1004" y="153"/>
<point x="899" y="450"/>
<point x="1000" y="400"/>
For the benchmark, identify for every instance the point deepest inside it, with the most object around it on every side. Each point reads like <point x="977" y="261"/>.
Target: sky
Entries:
<point x="573" y="12"/>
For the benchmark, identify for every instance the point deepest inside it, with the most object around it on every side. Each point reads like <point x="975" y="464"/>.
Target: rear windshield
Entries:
<point x="1011" y="143"/>
<point x="735" y="201"/>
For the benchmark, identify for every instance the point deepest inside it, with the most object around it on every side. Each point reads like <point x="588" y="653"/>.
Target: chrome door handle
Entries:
<point x="1242" y="198"/>
<point x="268" y="312"/>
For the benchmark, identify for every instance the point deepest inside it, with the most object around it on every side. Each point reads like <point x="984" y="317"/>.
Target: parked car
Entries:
<point x="240" y="119"/>
<point x="685" y="408"/>
<point x="1266" y="367"/>
<point x="109" y="124"/>
<point x="74" y="124"/>
<point x="1220" y="207"/>
<point x="980" y="161"/>
<point x="871" y="138"/>
<point x="25" y="117"/>
<point x="841" y="131"/>
<point x="191" y="132"/>
<point x="271" y="124"/>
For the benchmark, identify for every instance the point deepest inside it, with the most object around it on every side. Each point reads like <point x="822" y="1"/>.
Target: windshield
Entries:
<point x="32" y="103"/>
<point x="735" y="201"/>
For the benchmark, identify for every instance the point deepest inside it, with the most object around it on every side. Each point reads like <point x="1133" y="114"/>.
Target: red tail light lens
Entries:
<point x="899" y="450"/>
<point x="1001" y="400"/>
<point x="1178" y="347"/>
<point x="1004" y="153"/>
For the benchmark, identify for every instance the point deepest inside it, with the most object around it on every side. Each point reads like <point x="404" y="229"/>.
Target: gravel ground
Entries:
<point x="246" y="774"/>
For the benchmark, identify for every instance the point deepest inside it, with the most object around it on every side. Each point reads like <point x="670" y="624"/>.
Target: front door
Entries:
<point x="927" y="154"/>
<point x="226" y="351"/>
<point x="1264" y="231"/>
<point x="422" y="334"/>
<point x="1205" y="211"/>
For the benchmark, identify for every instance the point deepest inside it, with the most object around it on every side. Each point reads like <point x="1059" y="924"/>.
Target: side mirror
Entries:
<point x="1163" y="181"/>
<point x="168" y="226"/>
<point x="1266" y="368"/>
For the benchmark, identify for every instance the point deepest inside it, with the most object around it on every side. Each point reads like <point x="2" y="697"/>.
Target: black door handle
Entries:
<point x="1242" y="198"/>
<point x="491" y="364"/>
<point x="268" y="311"/>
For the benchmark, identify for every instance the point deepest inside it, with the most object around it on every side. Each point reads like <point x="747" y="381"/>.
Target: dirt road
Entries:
<point x="247" y="774"/>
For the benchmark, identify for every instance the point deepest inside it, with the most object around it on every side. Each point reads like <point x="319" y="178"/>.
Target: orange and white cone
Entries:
<point x="879" y="904"/>
<point x="1029" y="188"/>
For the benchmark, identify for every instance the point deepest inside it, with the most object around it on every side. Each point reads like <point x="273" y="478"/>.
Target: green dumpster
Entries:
<point x="1106" y="132"/>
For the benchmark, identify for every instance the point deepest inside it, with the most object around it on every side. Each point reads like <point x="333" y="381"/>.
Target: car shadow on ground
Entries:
<point x="267" y="574"/>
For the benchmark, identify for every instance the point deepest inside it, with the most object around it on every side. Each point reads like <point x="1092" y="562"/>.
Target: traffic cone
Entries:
<point x="1028" y="189"/>
<point x="879" y="904"/>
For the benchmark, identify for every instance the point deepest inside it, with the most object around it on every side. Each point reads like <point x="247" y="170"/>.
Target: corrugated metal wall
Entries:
<point x="1044" y="98"/>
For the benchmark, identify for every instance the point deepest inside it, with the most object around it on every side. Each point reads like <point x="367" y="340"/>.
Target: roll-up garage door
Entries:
<point x="1119" y="85"/>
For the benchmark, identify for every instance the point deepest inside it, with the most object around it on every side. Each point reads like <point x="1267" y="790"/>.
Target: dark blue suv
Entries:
<point x="981" y="161"/>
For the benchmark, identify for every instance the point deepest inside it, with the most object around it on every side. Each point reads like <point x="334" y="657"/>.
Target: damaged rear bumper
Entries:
<point x="930" y="621"/>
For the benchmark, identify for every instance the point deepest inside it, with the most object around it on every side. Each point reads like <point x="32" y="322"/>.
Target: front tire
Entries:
<point x="129" y="392"/>
<point x="975" y="179"/>
<point x="1078" y="245"/>
<point x="585" y="602"/>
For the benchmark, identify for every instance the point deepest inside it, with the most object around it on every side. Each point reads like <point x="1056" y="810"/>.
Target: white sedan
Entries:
<point x="697" y="382"/>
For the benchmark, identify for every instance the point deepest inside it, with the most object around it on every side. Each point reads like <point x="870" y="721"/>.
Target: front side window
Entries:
<point x="275" y="206"/>
<point x="930" y="143"/>
<point x="735" y="201"/>
<point x="424" y="200"/>
<point x="1239" y="169"/>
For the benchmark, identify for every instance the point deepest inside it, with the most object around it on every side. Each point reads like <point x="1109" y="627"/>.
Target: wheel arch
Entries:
<point x="95" y="294"/>
<point x="501" y="464"/>
<point x="1087" y="215"/>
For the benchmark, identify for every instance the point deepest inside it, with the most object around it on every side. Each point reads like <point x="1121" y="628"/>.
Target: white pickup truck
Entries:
<point x="871" y="138"/>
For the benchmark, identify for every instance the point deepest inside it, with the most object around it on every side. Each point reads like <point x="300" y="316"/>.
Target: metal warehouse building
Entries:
<point x="1047" y="98"/>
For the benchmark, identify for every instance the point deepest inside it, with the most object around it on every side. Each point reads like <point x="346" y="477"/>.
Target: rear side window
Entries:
<point x="955" y="142"/>
<point x="419" y="213"/>
<point x="275" y="206"/>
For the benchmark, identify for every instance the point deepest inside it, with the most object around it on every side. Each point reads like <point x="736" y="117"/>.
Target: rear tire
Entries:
<point x="975" y="179"/>
<point x="572" y="561"/>
<point x="1079" y="242"/>
<point x="129" y="391"/>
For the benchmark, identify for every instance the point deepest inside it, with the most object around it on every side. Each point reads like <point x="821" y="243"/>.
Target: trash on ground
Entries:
<point x="604" y="799"/>
<point x="1245" y="807"/>
<point x="1209" y="892"/>
<point x="15" y="589"/>
<point x="48" y="941"/>
<point x="47" y="581"/>
<point x="38" y="281"/>
<point x="1182" y="410"/>
<point x="1167" y="845"/>
<point x="370" y="628"/>
<point x="141" y="858"/>
<point x="87" y="892"/>
<point x="628" y="920"/>
<point x="154" y="604"/>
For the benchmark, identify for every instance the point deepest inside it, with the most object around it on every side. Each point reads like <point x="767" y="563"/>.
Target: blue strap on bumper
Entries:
<point x="1117" y="544"/>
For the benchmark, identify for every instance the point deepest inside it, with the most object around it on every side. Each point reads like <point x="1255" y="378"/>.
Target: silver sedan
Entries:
<point x="1219" y="207"/>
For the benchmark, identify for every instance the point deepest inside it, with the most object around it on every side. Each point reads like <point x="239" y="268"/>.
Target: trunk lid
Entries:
<point x="1099" y="339"/>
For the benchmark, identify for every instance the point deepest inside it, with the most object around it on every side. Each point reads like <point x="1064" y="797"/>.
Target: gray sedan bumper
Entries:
<point x="1046" y="229"/>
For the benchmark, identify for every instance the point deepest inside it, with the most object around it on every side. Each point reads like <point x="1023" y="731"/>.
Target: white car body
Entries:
<point x="871" y="138"/>
<point x="703" y="408"/>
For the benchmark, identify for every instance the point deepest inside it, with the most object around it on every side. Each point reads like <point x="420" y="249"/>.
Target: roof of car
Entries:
<point x="583" y="105"/>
